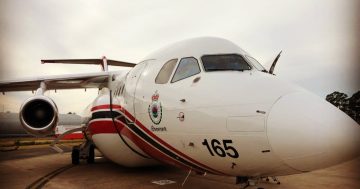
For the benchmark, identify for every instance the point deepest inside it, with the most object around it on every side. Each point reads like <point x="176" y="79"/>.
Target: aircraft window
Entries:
<point x="255" y="63"/>
<point x="187" y="67"/>
<point x="224" y="62"/>
<point x="165" y="72"/>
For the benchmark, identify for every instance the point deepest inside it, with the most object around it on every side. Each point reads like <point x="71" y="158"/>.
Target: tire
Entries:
<point x="75" y="156"/>
<point x="91" y="157"/>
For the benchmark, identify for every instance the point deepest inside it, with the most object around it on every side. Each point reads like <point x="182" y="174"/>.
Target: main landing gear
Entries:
<point x="83" y="151"/>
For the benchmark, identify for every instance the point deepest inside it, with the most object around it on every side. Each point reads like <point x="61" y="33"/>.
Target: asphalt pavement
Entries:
<point x="41" y="167"/>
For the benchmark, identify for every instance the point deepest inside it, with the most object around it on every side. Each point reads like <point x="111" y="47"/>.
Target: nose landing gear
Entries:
<point x="84" y="151"/>
<point x="275" y="179"/>
<point x="244" y="182"/>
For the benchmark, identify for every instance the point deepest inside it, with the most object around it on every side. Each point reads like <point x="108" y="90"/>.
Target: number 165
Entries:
<point x="221" y="150"/>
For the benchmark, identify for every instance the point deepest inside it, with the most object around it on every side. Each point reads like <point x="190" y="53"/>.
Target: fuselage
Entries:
<point x="175" y="107"/>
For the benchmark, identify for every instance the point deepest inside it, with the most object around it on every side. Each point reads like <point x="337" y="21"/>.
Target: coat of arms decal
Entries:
<point x="155" y="109"/>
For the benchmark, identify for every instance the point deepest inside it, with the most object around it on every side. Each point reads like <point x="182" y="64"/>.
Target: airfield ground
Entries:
<point x="39" y="167"/>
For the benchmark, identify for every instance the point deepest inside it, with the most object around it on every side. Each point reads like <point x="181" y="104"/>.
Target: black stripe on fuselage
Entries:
<point x="104" y="114"/>
<point x="109" y="114"/>
<point x="145" y="137"/>
<point x="156" y="145"/>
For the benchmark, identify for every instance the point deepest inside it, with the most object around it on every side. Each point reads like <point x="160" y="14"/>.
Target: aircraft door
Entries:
<point x="185" y="84"/>
<point x="132" y="80"/>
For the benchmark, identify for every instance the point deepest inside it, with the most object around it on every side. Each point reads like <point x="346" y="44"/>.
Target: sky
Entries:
<point x="319" y="39"/>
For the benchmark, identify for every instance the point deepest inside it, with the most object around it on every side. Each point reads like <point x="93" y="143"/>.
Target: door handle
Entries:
<point x="181" y="116"/>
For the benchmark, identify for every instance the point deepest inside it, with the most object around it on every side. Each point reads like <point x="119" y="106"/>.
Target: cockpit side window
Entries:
<point x="255" y="63"/>
<point x="224" y="62"/>
<point x="187" y="67"/>
<point x="165" y="72"/>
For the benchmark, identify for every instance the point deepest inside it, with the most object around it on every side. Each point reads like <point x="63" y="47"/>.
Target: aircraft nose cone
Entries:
<point x="308" y="133"/>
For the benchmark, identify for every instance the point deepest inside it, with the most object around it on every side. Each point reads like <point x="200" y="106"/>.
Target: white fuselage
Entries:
<point x="239" y="123"/>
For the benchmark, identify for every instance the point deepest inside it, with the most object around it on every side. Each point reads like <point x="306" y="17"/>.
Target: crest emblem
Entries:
<point x="155" y="109"/>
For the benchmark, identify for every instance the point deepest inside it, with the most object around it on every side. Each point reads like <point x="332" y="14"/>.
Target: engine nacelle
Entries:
<point x="39" y="115"/>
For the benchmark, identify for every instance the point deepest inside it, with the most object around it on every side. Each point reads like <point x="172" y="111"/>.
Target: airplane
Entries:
<point x="203" y="105"/>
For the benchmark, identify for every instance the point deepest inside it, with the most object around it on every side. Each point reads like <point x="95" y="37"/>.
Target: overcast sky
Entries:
<point x="319" y="38"/>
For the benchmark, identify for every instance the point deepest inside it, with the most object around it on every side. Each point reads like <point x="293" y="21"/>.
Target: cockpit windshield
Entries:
<point x="224" y="62"/>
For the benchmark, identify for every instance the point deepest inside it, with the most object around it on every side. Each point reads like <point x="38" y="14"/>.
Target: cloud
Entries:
<point x="318" y="38"/>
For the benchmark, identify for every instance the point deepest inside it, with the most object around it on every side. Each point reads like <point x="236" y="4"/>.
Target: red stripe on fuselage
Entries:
<point x="71" y="136"/>
<point x="151" y="150"/>
<point x="101" y="127"/>
<point x="106" y="106"/>
<point x="138" y="123"/>
<point x="106" y="127"/>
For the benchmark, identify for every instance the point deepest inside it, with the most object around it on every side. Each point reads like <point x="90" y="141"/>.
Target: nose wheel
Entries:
<point x="275" y="179"/>
<point x="245" y="182"/>
<point x="85" y="151"/>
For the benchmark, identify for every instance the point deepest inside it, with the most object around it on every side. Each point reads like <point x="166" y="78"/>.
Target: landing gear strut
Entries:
<point x="75" y="155"/>
<point x="83" y="151"/>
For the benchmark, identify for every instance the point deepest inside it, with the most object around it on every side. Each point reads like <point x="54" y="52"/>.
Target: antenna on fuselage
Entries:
<point x="104" y="64"/>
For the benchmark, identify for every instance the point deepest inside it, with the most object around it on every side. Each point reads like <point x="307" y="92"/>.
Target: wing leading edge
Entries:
<point x="104" y="62"/>
<point x="68" y="81"/>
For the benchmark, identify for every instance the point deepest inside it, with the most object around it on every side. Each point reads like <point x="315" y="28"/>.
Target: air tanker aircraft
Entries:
<point x="204" y="105"/>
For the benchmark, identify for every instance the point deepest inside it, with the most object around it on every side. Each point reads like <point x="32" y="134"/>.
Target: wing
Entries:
<point x="69" y="81"/>
<point x="104" y="62"/>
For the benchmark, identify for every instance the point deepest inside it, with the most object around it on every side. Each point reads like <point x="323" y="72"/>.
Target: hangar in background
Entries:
<point x="10" y="125"/>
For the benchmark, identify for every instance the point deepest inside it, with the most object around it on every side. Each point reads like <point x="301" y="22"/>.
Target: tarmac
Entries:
<point x="41" y="167"/>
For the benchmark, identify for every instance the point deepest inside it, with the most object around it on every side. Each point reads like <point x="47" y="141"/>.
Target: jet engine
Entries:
<point x="39" y="115"/>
